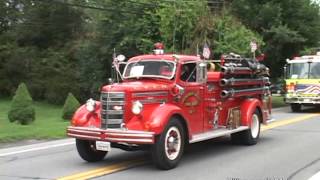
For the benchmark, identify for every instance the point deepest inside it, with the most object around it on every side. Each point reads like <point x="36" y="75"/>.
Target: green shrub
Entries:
<point x="70" y="106"/>
<point x="21" y="109"/>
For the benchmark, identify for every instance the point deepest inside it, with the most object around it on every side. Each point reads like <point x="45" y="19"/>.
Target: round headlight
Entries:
<point x="137" y="107"/>
<point x="91" y="105"/>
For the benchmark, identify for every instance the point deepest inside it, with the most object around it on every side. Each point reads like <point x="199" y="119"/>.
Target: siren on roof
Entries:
<point x="158" y="48"/>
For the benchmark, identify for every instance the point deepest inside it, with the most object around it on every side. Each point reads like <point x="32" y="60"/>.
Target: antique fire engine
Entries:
<point x="166" y="101"/>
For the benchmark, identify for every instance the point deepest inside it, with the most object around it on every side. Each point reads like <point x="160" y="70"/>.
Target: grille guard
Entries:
<point x="111" y="135"/>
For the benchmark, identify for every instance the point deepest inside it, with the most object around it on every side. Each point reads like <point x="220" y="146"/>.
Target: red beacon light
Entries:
<point x="158" y="48"/>
<point x="261" y="57"/>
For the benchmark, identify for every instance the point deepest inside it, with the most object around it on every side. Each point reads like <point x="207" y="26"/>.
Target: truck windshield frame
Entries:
<point x="304" y="70"/>
<point x="150" y="68"/>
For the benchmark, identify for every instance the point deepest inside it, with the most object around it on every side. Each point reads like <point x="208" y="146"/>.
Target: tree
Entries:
<point x="177" y="22"/>
<point x="232" y="36"/>
<point x="127" y="27"/>
<point x="47" y="24"/>
<point x="288" y="27"/>
<point x="39" y="49"/>
<point x="9" y="14"/>
<point x="70" y="106"/>
<point x="21" y="109"/>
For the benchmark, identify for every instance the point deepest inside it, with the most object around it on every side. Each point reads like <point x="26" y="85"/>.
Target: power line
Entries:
<point x="195" y="3"/>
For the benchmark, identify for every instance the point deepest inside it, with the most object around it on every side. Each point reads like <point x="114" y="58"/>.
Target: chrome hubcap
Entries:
<point x="173" y="143"/>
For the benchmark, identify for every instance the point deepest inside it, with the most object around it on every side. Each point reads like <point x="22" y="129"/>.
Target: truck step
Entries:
<point x="216" y="133"/>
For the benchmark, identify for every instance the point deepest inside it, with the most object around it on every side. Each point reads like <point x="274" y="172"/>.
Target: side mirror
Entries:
<point x="285" y="72"/>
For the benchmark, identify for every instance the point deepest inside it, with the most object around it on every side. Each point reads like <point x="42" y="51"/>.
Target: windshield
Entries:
<point x="315" y="70"/>
<point x="305" y="70"/>
<point x="150" y="68"/>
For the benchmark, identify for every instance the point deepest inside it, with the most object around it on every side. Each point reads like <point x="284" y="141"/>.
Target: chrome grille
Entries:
<point x="112" y="109"/>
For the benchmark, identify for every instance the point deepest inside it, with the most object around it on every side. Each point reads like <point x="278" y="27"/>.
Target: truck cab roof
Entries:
<point x="305" y="59"/>
<point x="169" y="57"/>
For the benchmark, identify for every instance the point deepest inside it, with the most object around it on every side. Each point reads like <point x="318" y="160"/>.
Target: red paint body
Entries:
<point x="196" y="107"/>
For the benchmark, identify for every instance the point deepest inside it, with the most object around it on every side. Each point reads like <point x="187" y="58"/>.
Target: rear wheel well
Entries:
<point x="185" y="126"/>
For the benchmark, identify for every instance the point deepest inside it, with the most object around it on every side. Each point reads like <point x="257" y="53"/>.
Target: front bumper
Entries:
<point x="111" y="135"/>
<point x="302" y="100"/>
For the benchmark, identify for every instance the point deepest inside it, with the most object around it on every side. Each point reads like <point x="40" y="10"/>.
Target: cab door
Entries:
<point x="192" y="102"/>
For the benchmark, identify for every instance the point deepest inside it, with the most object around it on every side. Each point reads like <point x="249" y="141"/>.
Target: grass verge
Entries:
<point x="48" y="123"/>
<point x="277" y="101"/>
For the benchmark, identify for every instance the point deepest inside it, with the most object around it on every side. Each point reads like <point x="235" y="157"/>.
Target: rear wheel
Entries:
<point x="250" y="136"/>
<point x="169" y="146"/>
<point x="295" y="107"/>
<point x="87" y="151"/>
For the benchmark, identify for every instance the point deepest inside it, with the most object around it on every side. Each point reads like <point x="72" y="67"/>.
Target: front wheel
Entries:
<point x="169" y="146"/>
<point x="87" y="151"/>
<point x="250" y="136"/>
<point x="295" y="107"/>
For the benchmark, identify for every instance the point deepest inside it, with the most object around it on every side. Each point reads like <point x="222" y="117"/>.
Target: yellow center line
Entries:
<point x="104" y="170"/>
<point x="132" y="163"/>
<point x="288" y="121"/>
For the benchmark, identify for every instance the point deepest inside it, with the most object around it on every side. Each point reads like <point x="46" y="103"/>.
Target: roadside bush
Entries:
<point x="22" y="110"/>
<point x="70" y="106"/>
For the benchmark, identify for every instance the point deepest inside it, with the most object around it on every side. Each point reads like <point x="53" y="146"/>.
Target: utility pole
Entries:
<point x="174" y="28"/>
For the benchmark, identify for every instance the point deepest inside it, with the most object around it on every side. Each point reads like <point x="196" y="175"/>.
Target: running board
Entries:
<point x="216" y="133"/>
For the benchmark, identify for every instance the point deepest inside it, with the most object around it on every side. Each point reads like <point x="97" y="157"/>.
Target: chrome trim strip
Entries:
<point x="114" y="102"/>
<point x="111" y="130"/>
<point x="85" y="132"/>
<point x="113" y="111"/>
<point x="84" y="136"/>
<point x="152" y="101"/>
<point x="142" y="94"/>
<point x="113" y="94"/>
<point x="131" y="135"/>
<point x="130" y="140"/>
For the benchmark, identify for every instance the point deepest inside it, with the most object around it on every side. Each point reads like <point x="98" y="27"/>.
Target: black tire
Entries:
<point x="295" y="107"/>
<point x="161" y="158"/>
<point x="249" y="136"/>
<point x="87" y="151"/>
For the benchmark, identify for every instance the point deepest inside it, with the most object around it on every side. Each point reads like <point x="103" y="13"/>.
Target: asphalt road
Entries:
<point x="289" y="150"/>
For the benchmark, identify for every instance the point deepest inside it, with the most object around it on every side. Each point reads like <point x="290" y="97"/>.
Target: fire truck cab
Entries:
<point x="166" y="101"/>
<point x="302" y="77"/>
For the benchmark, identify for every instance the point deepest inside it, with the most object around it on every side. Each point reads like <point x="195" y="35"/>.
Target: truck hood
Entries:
<point x="137" y="86"/>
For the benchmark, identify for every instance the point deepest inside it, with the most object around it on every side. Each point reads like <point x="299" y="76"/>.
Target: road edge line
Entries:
<point x="34" y="147"/>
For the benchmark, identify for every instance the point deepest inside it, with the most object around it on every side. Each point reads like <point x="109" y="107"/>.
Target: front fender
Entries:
<point x="248" y="107"/>
<point x="84" y="118"/>
<point x="160" y="117"/>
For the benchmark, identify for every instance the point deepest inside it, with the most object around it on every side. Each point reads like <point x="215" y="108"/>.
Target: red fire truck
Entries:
<point x="166" y="101"/>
